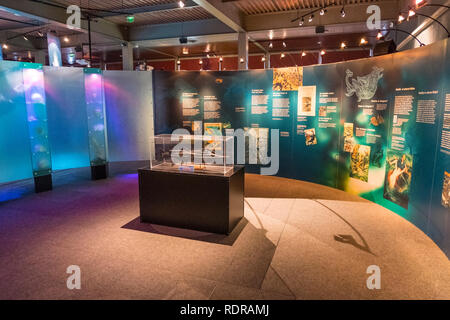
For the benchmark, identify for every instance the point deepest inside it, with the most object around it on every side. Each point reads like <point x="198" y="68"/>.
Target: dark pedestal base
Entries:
<point x="205" y="202"/>
<point x="43" y="183"/>
<point x="99" y="172"/>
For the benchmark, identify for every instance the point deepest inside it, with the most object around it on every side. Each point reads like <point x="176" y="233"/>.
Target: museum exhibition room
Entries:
<point x="216" y="150"/>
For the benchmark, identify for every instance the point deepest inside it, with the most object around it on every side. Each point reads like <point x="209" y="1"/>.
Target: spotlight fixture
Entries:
<point x="411" y="13"/>
<point x="311" y="17"/>
<point x="178" y="62"/>
<point x="241" y="60"/>
<point x="25" y="38"/>
<point x="379" y="35"/>
<point x="5" y="46"/>
<point x="263" y="59"/>
<point x="322" y="52"/>
<point x="343" y="45"/>
<point x="185" y="50"/>
<point x="271" y="45"/>
<point x="301" y="22"/>
<point x="40" y="34"/>
<point x="66" y="39"/>
<point x="322" y="11"/>
<point x="303" y="53"/>
<point x="130" y="19"/>
<point x="342" y="12"/>
<point x="363" y="41"/>
<point x="284" y="44"/>
<point x="420" y="3"/>
<point x="282" y="55"/>
<point x="200" y="61"/>
<point x="181" y="4"/>
<point x="400" y="18"/>
<point x="220" y="59"/>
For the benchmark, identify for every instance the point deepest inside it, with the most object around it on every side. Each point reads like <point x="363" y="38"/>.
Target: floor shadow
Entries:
<point x="222" y="239"/>
<point x="347" y="238"/>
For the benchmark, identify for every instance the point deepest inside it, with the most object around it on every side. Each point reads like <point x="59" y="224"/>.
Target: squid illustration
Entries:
<point x="364" y="87"/>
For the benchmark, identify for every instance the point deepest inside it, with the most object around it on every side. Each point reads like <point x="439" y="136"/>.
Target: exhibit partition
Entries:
<point x="24" y="145"/>
<point x="376" y="127"/>
<point x="129" y="111"/>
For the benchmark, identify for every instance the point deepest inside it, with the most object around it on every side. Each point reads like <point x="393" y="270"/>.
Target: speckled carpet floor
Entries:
<point x="289" y="246"/>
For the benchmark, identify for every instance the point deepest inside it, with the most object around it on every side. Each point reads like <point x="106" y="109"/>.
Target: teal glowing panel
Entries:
<point x="93" y="84"/>
<point x="15" y="161"/>
<point x="67" y="117"/>
<point x="33" y="84"/>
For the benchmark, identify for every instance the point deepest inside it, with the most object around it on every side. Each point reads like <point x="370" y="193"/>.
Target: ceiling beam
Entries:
<point x="225" y="12"/>
<point x="354" y="13"/>
<point x="178" y="29"/>
<point x="57" y="15"/>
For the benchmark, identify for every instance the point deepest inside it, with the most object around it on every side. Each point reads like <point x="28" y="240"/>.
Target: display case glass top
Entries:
<point x="193" y="154"/>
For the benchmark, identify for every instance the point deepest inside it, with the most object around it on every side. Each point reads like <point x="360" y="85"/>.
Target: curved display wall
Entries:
<point x="377" y="127"/>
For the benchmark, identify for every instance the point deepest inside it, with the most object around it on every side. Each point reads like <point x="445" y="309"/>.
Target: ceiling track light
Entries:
<point x="420" y="3"/>
<point x="400" y="18"/>
<point x="343" y="12"/>
<point x="322" y="11"/>
<point x="301" y="22"/>
<point x="311" y="17"/>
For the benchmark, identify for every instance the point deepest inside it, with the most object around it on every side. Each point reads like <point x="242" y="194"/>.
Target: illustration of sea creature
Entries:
<point x="364" y="87"/>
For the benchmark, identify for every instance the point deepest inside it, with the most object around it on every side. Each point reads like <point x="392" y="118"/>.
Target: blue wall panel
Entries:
<point x="129" y="114"/>
<point x="67" y="119"/>
<point x="15" y="157"/>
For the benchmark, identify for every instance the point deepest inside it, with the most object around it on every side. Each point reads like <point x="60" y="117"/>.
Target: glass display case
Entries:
<point x="93" y="82"/>
<point x="33" y="84"/>
<point x="193" y="154"/>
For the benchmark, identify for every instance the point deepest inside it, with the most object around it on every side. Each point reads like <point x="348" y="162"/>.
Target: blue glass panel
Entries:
<point x="15" y="161"/>
<point x="67" y="118"/>
<point x="129" y="112"/>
